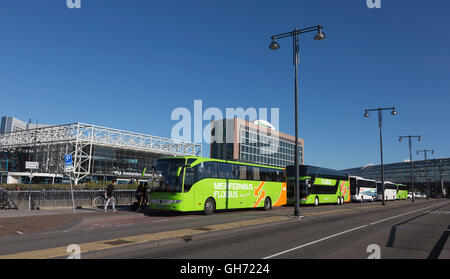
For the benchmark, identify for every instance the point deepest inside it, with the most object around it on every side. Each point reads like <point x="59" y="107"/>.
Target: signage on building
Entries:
<point x="31" y="165"/>
<point x="264" y="123"/>
<point x="129" y="173"/>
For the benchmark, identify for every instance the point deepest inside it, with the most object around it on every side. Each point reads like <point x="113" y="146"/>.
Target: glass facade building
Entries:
<point x="435" y="173"/>
<point x="237" y="139"/>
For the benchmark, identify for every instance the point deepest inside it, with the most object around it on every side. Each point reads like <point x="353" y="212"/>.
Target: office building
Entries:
<point x="257" y="142"/>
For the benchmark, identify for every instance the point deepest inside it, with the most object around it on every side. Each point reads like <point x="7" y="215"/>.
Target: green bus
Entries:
<point x="318" y="185"/>
<point x="402" y="192"/>
<point x="203" y="184"/>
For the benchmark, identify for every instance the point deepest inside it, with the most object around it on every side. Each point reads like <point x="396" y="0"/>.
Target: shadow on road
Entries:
<point x="437" y="248"/>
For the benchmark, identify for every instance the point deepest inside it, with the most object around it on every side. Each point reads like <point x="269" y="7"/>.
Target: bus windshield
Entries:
<point x="353" y="186"/>
<point x="303" y="189"/>
<point x="167" y="170"/>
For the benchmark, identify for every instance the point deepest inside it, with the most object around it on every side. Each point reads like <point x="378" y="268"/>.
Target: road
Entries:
<point x="401" y="229"/>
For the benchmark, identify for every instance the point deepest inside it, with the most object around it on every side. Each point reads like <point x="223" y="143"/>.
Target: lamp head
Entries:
<point x="420" y="138"/>
<point x="394" y="111"/>
<point x="274" y="45"/>
<point x="400" y="139"/>
<point x="320" y="35"/>
<point x="366" y="114"/>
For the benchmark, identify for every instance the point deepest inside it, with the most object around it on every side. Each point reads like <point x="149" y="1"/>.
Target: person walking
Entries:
<point x="145" y="194"/>
<point x="110" y="195"/>
<point x="138" y="195"/>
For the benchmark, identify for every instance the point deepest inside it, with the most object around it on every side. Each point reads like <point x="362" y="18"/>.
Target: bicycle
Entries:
<point x="100" y="200"/>
<point x="6" y="200"/>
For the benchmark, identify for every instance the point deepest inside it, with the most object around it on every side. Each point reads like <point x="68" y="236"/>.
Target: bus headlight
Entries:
<point x="156" y="201"/>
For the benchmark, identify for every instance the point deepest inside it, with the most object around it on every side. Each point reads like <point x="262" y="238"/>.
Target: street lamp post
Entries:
<point x="419" y="138"/>
<point x="425" y="151"/>
<point x="274" y="46"/>
<point x="7" y="167"/>
<point x="441" y="173"/>
<point x="380" y="124"/>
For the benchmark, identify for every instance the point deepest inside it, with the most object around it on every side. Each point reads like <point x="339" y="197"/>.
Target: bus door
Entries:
<point x="188" y="195"/>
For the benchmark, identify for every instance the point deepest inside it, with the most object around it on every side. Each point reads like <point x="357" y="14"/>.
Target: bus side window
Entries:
<point x="249" y="173"/>
<point x="225" y="171"/>
<point x="211" y="169"/>
<point x="256" y="173"/>
<point x="241" y="172"/>
<point x="264" y="174"/>
<point x="277" y="176"/>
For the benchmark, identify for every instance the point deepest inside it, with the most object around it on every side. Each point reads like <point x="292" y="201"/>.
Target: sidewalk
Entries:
<point x="20" y="222"/>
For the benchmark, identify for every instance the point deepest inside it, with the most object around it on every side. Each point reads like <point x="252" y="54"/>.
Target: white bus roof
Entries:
<point x="387" y="182"/>
<point x="362" y="178"/>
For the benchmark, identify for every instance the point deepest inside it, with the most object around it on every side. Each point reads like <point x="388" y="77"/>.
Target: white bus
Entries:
<point x="390" y="191"/>
<point x="362" y="189"/>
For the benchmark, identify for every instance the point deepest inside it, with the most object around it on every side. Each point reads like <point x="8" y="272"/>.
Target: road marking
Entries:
<point x="374" y="223"/>
<point x="136" y="239"/>
<point x="314" y="242"/>
<point x="347" y="231"/>
<point x="438" y="212"/>
<point x="19" y="232"/>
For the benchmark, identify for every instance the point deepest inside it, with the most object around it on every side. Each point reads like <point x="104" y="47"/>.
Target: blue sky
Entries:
<point x="128" y="64"/>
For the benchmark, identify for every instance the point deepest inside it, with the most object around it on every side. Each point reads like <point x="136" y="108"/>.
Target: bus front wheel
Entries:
<point x="210" y="206"/>
<point x="316" y="201"/>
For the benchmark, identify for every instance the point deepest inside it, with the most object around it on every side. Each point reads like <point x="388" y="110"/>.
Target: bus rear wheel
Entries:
<point x="210" y="206"/>
<point x="267" y="204"/>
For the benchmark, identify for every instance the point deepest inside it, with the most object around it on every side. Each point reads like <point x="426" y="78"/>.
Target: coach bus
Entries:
<point x="204" y="184"/>
<point x="318" y="185"/>
<point x="362" y="189"/>
<point x="390" y="191"/>
<point x="402" y="192"/>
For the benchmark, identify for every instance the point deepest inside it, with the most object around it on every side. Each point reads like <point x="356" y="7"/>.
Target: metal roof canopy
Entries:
<point x="83" y="136"/>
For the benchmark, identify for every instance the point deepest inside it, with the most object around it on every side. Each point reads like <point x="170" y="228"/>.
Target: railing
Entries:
<point x="62" y="198"/>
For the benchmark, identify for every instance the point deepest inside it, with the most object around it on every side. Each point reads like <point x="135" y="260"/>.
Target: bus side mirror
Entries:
<point x="180" y="171"/>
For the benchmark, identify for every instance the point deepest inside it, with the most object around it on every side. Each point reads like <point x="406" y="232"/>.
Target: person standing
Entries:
<point x="145" y="194"/>
<point x="110" y="195"/>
